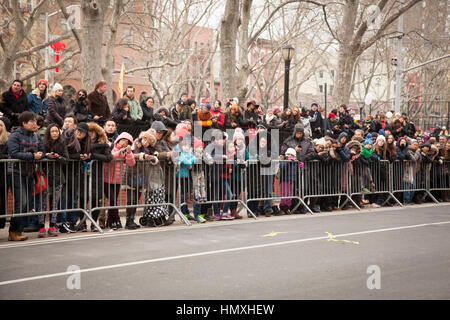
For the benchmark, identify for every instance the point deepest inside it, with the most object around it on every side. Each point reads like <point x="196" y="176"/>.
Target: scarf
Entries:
<point x="367" y="153"/>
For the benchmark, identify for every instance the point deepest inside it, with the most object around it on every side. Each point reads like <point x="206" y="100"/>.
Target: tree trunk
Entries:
<point x="346" y="60"/>
<point x="244" y="68"/>
<point x="228" y="37"/>
<point x="91" y="55"/>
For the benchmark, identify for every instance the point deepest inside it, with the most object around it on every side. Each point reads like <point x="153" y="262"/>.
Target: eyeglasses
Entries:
<point x="81" y="95"/>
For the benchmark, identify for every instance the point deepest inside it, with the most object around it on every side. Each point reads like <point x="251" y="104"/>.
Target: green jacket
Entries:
<point x="135" y="110"/>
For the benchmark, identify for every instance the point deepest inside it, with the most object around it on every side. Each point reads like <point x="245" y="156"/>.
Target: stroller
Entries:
<point x="155" y="215"/>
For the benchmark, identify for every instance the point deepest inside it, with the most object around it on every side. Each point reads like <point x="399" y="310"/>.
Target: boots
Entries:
<point x="285" y="209"/>
<point x="131" y="224"/>
<point x="16" y="236"/>
<point x="102" y="219"/>
<point x="235" y="214"/>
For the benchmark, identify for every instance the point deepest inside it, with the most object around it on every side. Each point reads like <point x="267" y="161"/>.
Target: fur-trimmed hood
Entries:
<point x="354" y="143"/>
<point x="101" y="134"/>
<point x="37" y="93"/>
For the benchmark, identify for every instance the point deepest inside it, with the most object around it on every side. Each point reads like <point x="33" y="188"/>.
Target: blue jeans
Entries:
<point x="269" y="189"/>
<point x="68" y="198"/>
<point x="218" y="193"/>
<point x="407" y="196"/>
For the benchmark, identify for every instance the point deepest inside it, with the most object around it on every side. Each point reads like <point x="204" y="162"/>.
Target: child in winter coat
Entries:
<point x="288" y="178"/>
<point x="113" y="172"/>
<point x="185" y="160"/>
<point x="367" y="156"/>
<point x="198" y="180"/>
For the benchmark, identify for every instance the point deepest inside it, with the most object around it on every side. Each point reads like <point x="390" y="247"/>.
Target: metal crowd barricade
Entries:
<point x="327" y="179"/>
<point x="372" y="178"/>
<point x="54" y="187"/>
<point x="439" y="176"/>
<point x="219" y="184"/>
<point x="146" y="184"/>
<point x="279" y="180"/>
<point x="410" y="177"/>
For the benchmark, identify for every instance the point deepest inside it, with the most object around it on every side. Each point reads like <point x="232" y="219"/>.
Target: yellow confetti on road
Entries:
<point x="273" y="234"/>
<point x="332" y="238"/>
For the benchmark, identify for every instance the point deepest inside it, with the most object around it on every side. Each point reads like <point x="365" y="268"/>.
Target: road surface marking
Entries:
<point x="213" y="225"/>
<point x="331" y="237"/>
<point x="134" y="263"/>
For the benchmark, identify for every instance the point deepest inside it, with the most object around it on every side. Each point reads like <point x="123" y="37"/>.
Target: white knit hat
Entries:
<point x="57" y="86"/>
<point x="380" y="137"/>
<point x="290" y="151"/>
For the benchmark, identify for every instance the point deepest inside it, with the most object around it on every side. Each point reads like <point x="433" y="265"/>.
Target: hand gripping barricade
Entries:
<point x="221" y="184"/>
<point x="327" y="179"/>
<point x="411" y="177"/>
<point x="54" y="187"/>
<point x="372" y="178"/>
<point x="277" y="180"/>
<point x="147" y="184"/>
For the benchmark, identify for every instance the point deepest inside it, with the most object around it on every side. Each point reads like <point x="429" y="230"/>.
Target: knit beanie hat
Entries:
<point x="380" y="137"/>
<point x="290" y="151"/>
<point x="57" y="86"/>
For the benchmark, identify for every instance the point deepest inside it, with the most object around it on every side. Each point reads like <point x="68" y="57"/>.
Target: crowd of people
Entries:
<point x="190" y="137"/>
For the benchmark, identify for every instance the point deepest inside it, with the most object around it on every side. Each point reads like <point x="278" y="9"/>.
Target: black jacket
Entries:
<point x="80" y="110"/>
<point x="12" y="107"/>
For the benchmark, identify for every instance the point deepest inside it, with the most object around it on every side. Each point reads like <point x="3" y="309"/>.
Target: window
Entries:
<point x="321" y="88"/>
<point x="332" y="73"/>
<point x="331" y="90"/>
<point x="321" y="75"/>
<point x="128" y="36"/>
<point x="128" y="65"/>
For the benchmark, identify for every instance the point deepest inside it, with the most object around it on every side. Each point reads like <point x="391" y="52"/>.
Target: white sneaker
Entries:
<point x="375" y="205"/>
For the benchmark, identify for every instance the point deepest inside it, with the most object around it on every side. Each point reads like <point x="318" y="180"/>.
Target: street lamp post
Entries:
<point x="288" y="53"/>
<point x="326" y="115"/>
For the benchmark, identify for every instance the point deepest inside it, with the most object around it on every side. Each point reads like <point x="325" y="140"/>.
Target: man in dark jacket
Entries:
<point x="14" y="102"/>
<point x="303" y="147"/>
<point x="345" y="120"/>
<point x="316" y="121"/>
<point x="99" y="104"/>
<point x="24" y="144"/>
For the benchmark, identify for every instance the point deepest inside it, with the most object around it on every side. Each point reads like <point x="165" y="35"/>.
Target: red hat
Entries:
<point x="331" y="115"/>
<point x="44" y="81"/>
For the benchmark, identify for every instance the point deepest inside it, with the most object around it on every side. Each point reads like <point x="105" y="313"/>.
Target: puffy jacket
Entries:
<point x="22" y="144"/>
<point x="113" y="170"/>
<point x="220" y="118"/>
<point x="36" y="104"/>
<point x="307" y="152"/>
<point x="80" y="110"/>
<point x="185" y="160"/>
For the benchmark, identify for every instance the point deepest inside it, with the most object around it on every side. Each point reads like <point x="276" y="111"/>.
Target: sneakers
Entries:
<point x="119" y="225"/>
<point x="227" y="216"/>
<point x="52" y="232"/>
<point x="93" y="228"/>
<point x="216" y="217"/>
<point x="375" y="205"/>
<point x="316" y="208"/>
<point x="189" y="217"/>
<point x="42" y="233"/>
<point x="66" y="228"/>
<point x="200" y="219"/>
<point x="82" y="227"/>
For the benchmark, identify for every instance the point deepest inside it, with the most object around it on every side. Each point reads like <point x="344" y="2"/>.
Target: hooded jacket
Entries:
<point x="100" y="149"/>
<point x="36" y="104"/>
<point x="80" y="110"/>
<point x="113" y="170"/>
<point x="147" y="113"/>
<point x="307" y="153"/>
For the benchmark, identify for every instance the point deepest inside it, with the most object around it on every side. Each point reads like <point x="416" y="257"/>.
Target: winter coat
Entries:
<point x="201" y="118"/>
<point x="289" y="170"/>
<point x="147" y="113"/>
<point x="99" y="106"/>
<point x="57" y="169"/>
<point x="22" y="144"/>
<point x="307" y="152"/>
<point x="168" y="121"/>
<point x="80" y="110"/>
<point x="113" y="170"/>
<point x="118" y="114"/>
<point x="220" y="118"/>
<point x="36" y="104"/>
<point x="185" y="160"/>
<point x="238" y="119"/>
<point x="12" y="106"/>
<point x="316" y="120"/>
<point x="56" y="111"/>
<point x="135" y="110"/>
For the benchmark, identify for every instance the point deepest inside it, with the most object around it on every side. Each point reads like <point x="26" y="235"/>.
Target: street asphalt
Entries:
<point x="324" y="256"/>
